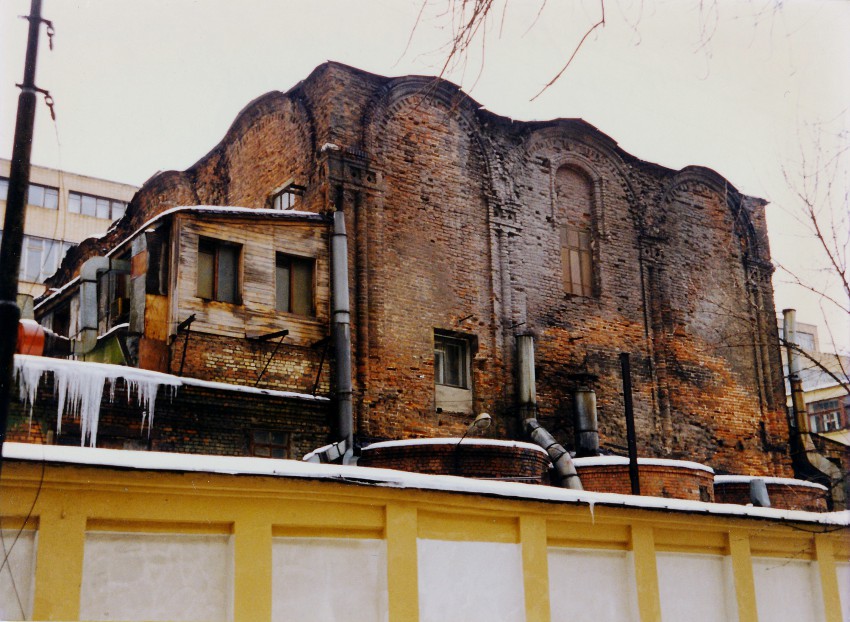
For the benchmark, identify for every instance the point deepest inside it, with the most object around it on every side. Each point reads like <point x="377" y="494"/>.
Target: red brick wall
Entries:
<point x="783" y="495"/>
<point x="469" y="459"/>
<point x="194" y="420"/>
<point x="671" y="481"/>
<point x="457" y="227"/>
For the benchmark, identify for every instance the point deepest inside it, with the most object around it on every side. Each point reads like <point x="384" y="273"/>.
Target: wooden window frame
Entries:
<point x="290" y="258"/>
<point x="214" y="247"/>
<point x="443" y="345"/>
<point x="578" y="267"/>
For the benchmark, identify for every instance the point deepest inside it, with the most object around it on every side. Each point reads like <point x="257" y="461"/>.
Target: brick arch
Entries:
<point x="395" y="95"/>
<point x="695" y="177"/>
<point x="573" y="144"/>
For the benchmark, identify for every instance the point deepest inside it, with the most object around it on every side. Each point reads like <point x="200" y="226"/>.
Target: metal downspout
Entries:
<point x="527" y="394"/>
<point x="341" y="319"/>
<point x="805" y="455"/>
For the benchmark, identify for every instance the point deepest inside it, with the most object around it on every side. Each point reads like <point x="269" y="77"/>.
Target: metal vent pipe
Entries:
<point x="527" y="396"/>
<point x="585" y="422"/>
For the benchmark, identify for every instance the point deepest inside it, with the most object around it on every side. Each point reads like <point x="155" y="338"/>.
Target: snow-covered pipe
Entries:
<point x="89" y="272"/>
<point x="526" y="383"/>
<point x="808" y="461"/>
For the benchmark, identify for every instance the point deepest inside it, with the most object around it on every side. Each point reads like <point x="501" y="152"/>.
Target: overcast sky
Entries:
<point x="148" y="85"/>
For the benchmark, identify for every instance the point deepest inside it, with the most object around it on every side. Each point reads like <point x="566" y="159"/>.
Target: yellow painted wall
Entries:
<point x="65" y="502"/>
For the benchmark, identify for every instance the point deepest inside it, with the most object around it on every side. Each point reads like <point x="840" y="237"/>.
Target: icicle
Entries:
<point x="78" y="388"/>
<point x="591" y="504"/>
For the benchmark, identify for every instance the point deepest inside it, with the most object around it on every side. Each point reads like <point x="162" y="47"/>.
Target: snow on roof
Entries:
<point x="620" y="460"/>
<point x="783" y="481"/>
<point x="158" y="461"/>
<point x="217" y="210"/>
<point x="454" y="441"/>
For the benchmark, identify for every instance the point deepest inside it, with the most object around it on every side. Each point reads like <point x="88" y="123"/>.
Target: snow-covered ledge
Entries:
<point x="353" y="475"/>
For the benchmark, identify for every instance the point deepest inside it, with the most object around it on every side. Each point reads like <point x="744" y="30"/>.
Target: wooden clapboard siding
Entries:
<point x="260" y="240"/>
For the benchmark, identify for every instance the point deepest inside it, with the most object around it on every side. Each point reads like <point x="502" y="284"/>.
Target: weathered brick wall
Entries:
<point x="454" y="218"/>
<point x="194" y="419"/>
<point x="468" y="459"/>
<point x="241" y="361"/>
<point x="675" y="482"/>
<point x="783" y="496"/>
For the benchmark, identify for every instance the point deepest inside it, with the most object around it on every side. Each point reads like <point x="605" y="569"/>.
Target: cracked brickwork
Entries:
<point x="455" y="219"/>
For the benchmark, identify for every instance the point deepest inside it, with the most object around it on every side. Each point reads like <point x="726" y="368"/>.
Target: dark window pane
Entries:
<point x="302" y="286"/>
<point x="282" y="281"/>
<point x="228" y="264"/>
<point x="206" y="267"/>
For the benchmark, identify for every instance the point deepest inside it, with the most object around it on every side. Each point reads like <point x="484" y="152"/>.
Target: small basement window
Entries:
<point x="294" y="284"/>
<point x="218" y="270"/>
<point x="269" y="444"/>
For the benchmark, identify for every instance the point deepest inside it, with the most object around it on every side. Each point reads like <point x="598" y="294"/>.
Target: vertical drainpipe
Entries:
<point x="805" y="456"/>
<point x="341" y="328"/>
<point x="527" y="396"/>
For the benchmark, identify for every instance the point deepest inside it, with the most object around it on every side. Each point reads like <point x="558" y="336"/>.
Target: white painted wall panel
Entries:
<point x="470" y="582"/>
<point x="696" y="588"/>
<point x="17" y="576"/>
<point x="329" y="579"/>
<point x="787" y="590"/>
<point x="138" y="576"/>
<point x="592" y="584"/>
<point x="842" y="570"/>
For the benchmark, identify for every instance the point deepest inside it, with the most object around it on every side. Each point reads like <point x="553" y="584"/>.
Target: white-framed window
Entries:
<point x="218" y="270"/>
<point x="451" y="361"/>
<point x="286" y="196"/>
<point x="99" y="207"/>
<point x="295" y="284"/>
<point x="43" y="196"/>
<point x="40" y="257"/>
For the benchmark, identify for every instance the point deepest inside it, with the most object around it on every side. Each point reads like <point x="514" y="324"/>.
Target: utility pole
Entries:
<point x="13" y="226"/>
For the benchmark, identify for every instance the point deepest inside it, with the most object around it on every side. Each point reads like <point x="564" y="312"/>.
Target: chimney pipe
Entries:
<point x="808" y="462"/>
<point x="342" y="328"/>
<point x="527" y="396"/>
<point x="585" y="422"/>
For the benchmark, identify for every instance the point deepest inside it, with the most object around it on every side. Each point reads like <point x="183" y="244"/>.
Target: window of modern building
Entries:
<point x="286" y="197"/>
<point x="218" y="270"/>
<point x="269" y="444"/>
<point x="4" y="188"/>
<point x="43" y="196"/>
<point x="294" y="284"/>
<point x="826" y="415"/>
<point x="40" y="257"/>
<point x="99" y="207"/>
<point x="575" y="198"/>
<point x="451" y="361"/>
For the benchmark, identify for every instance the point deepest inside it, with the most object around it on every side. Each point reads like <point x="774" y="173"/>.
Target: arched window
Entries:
<point x="575" y="198"/>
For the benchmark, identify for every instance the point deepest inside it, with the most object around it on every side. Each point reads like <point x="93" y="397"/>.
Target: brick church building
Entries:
<point x="466" y="230"/>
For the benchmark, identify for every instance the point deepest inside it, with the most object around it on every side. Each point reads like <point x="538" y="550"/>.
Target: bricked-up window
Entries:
<point x="218" y="270"/>
<point x="269" y="444"/>
<point x="294" y="279"/>
<point x="577" y="261"/>
<point x="575" y="213"/>
<point x="451" y="361"/>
